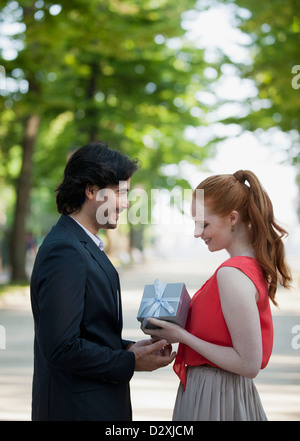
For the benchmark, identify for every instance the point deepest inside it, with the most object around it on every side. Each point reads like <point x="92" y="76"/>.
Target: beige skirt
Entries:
<point x="212" y="394"/>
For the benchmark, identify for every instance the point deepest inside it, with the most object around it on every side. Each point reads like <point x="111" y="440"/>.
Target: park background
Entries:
<point x="191" y="90"/>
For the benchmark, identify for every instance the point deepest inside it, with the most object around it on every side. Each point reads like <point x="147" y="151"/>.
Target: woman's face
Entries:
<point x="214" y="230"/>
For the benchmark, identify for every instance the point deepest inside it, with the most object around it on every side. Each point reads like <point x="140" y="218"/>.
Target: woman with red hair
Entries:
<point x="228" y="337"/>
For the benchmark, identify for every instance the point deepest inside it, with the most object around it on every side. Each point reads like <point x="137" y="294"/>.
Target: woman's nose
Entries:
<point x="198" y="231"/>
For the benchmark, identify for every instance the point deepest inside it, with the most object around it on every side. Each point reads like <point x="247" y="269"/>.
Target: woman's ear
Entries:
<point x="233" y="219"/>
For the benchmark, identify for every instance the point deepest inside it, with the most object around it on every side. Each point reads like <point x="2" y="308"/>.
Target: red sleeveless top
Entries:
<point x="206" y="321"/>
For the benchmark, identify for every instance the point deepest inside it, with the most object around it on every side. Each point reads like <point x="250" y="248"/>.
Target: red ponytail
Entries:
<point x="243" y="192"/>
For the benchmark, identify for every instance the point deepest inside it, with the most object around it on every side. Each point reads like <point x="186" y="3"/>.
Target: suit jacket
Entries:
<point x="81" y="367"/>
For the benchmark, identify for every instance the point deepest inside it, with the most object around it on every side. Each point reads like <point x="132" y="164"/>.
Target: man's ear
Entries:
<point x="90" y="191"/>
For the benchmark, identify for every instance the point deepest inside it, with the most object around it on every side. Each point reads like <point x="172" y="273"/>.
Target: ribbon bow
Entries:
<point x="158" y="302"/>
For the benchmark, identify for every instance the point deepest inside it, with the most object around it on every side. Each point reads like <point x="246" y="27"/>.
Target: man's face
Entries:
<point x="109" y="203"/>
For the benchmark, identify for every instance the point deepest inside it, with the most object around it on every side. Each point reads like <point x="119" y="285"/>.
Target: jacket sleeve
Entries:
<point x="58" y="291"/>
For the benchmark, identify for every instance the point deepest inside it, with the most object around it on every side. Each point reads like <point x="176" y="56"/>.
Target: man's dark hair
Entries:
<point x="92" y="164"/>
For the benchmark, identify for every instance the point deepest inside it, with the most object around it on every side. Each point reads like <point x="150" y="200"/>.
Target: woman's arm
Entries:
<point x="238" y="301"/>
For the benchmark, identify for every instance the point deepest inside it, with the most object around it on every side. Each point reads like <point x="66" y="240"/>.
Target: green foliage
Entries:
<point x="274" y="28"/>
<point x="118" y="70"/>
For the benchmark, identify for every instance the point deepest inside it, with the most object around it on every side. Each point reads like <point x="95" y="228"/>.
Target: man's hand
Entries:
<point x="151" y="355"/>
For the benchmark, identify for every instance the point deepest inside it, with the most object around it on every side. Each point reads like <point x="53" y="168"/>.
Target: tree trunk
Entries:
<point x="18" y="239"/>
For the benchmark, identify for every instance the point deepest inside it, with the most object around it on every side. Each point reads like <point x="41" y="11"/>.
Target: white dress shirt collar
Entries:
<point x="99" y="242"/>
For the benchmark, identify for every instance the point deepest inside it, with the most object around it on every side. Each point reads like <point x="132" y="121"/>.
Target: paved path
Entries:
<point x="153" y="394"/>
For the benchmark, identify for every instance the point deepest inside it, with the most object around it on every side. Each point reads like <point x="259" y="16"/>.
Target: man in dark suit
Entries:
<point x="82" y="366"/>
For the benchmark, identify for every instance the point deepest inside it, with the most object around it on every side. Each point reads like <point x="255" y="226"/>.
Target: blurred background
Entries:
<point x="190" y="88"/>
<point x="195" y="88"/>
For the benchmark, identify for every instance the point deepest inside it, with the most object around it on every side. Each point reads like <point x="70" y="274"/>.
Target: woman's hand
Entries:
<point x="168" y="331"/>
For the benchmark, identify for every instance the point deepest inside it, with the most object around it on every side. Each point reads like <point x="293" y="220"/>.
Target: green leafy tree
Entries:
<point x="274" y="31"/>
<point x="121" y="71"/>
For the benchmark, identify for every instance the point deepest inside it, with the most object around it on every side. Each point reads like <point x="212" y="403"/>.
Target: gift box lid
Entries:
<point x="165" y="301"/>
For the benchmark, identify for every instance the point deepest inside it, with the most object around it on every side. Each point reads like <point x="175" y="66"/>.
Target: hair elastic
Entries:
<point x="239" y="175"/>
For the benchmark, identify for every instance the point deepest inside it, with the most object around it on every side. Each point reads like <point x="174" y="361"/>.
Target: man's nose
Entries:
<point x="125" y="203"/>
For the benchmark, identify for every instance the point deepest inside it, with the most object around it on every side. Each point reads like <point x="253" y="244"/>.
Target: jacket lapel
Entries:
<point x="99" y="256"/>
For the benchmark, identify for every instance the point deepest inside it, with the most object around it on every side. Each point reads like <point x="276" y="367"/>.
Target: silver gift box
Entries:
<point x="168" y="302"/>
